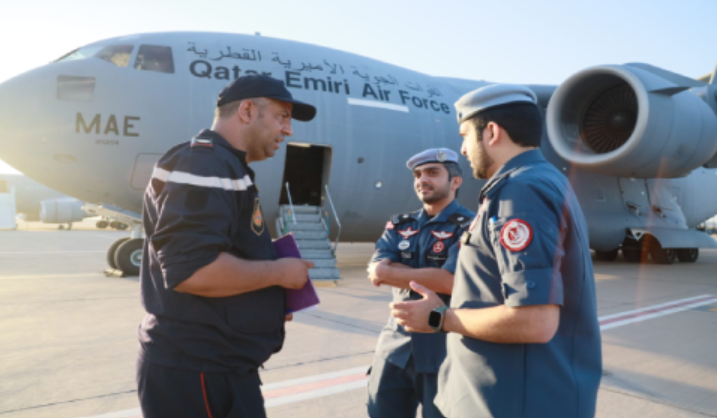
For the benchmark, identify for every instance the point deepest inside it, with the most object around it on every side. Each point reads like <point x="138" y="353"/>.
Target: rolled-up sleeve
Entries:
<point x="527" y="236"/>
<point x="193" y="227"/>
<point x="386" y="247"/>
<point x="452" y="260"/>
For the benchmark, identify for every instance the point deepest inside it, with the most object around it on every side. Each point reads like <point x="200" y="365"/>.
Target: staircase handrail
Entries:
<point x="338" y="222"/>
<point x="291" y="205"/>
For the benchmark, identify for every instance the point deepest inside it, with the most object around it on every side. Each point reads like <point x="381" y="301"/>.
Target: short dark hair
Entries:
<point x="522" y="121"/>
<point x="454" y="170"/>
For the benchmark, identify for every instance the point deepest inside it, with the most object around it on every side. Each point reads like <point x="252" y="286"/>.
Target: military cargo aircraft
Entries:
<point x="638" y="143"/>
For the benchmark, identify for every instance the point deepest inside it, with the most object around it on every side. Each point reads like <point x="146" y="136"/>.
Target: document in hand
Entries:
<point x="296" y="299"/>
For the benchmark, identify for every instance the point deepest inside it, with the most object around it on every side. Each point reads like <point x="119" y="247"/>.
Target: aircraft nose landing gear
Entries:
<point x="124" y="256"/>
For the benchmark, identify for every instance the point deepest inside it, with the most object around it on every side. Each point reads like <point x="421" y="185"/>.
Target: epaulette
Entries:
<point x="202" y="143"/>
<point x="462" y="221"/>
<point x="402" y="218"/>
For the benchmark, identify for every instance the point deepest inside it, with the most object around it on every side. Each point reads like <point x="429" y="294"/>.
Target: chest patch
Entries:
<point x="439" y="246"/>
<point x="257" y="219"/>
<point x="408" y="232"/>
<point x="516" y="235"/>
<point x="442" y="234"/>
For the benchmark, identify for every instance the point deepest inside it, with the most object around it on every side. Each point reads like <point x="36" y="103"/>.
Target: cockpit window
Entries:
<point x="116" y="54"/>
<point x="80" y="53"/>
<point x="155" y="58"/>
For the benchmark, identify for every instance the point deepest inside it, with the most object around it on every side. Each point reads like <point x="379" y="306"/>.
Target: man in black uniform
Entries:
<point x="211" y="283"/>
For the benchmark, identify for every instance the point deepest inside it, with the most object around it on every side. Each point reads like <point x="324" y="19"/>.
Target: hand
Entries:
<point x="413" y="315"/>
<point x="293" y="272"/>
<point x="377" y="271"/>
<point x="289" y="317"/>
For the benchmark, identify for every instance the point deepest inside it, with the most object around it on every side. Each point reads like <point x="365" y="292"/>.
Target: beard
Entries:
<point x="439" y="193"/>
<point x="483" y="161"/>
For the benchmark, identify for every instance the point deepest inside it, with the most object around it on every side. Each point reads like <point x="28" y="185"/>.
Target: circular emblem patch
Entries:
<point x="516" y="235"/>
<point x="441" y="156"/>
<point x="403" y="245"/>
<point x="438" y="247"/>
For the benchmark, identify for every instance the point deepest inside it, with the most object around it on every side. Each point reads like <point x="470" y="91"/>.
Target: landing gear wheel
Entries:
<point x="122" y="226"/>
<point x="113" y="250"/>
<point x="635" y="251"/>
<point x="60" y="227"/>
<point x="606" y="255"/>
<point x="688" y="255"/>
<point x="661" y="255"/>
<point x="102" y="224"/>
<point x="128" y="257"/>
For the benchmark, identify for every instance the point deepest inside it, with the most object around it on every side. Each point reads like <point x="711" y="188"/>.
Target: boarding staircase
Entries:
<point x="310" y="226"/>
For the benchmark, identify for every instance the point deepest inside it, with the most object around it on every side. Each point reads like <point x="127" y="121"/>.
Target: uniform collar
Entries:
<point x="219" y="140"/>
<point x="521" y="160"/>
<point x="441" y="217"/>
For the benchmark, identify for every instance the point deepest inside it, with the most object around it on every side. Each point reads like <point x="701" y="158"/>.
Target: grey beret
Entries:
<point x="490" y="96"/>
<point x="433" y="155"/>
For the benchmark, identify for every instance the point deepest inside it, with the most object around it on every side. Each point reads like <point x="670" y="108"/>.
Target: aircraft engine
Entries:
<point x="58" y="211"/>
<point x="633" y="120"/>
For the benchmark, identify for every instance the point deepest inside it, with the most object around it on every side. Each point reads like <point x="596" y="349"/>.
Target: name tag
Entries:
<point x="437" y="257"/>
<point x="407" y="255"/>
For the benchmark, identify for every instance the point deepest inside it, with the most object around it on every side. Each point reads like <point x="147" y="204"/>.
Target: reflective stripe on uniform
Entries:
<point x="201" y="181"/>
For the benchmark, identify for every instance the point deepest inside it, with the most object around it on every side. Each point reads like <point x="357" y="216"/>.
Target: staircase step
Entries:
<point x="309" y="235"/>
<point x="323" y="263"/>
<point x="324" y="273"/>
<point x="300" y="209"/>
<point x="313" y="244"/>
<point x="318" y="226"/>
<point x="314" y="255"/>
<point x="307" y="217"/>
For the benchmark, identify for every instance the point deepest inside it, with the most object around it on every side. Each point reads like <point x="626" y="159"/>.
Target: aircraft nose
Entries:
<point x="27" y="119"/>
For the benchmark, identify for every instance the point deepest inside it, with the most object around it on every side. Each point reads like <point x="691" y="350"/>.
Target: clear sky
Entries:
<point x="517" y="41"/>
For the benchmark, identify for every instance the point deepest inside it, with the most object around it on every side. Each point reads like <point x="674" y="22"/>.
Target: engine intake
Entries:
<point x="629" y="121"/>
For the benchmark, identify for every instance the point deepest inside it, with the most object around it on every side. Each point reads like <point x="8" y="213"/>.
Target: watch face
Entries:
<point x="434" y="319"/>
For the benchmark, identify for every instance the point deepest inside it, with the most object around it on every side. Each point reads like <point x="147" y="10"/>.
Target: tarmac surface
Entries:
<point x="68" y="335"/>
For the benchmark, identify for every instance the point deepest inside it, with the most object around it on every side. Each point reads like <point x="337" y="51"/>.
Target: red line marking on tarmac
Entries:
<point x="292" y="390"/>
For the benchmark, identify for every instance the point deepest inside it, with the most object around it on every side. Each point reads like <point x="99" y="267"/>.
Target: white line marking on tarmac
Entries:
<point x="311" y="387"/>
<point x="51" y="276"/>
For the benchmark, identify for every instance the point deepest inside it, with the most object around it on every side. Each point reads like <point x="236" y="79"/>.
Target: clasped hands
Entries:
<point x="412" y="315"/>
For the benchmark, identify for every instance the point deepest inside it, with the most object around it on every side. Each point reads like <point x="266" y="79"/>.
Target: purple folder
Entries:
<point x="296" y="299"/>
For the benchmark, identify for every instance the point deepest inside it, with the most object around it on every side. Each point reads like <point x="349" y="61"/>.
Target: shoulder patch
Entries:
<point x="516" y="234"/>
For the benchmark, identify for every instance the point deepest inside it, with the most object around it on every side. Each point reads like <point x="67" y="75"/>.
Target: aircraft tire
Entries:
<point x="122" y="226"/>
<point x="113" y="250"/>
<point x="632" y="255"/>
<point x="102" y="224"/>
<point x="688" y="255"/>
<point x="128" y="257"/>
<point x="662" y="255"/>
<point x="606" y="255"/>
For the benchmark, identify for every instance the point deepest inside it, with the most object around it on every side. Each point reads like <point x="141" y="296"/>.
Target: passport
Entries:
<point x="297" y="300"/>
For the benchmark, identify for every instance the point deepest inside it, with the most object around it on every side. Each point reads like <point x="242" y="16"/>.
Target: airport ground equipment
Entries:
<point x="7" y="208"/>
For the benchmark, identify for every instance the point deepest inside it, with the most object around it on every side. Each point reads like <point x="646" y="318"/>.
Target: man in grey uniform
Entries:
<point x="420" y="246"/>
<point x="524" y="336"/>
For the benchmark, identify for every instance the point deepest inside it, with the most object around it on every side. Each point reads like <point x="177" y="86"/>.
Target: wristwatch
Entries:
<point x="435" y="318"/>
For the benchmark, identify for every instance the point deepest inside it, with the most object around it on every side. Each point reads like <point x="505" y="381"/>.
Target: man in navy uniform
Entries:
<point x="420" y="246"/>
<point x="524" y="335"/>
<point x="211" y="283"/>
